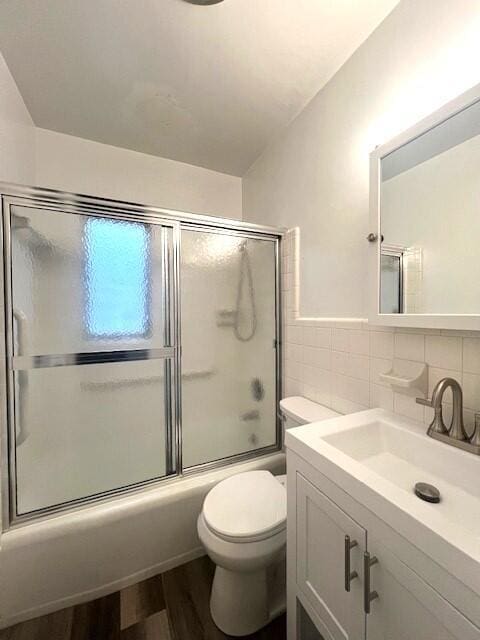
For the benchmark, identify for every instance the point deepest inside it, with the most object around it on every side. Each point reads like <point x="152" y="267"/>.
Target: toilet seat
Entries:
<point x="247" y="507"/>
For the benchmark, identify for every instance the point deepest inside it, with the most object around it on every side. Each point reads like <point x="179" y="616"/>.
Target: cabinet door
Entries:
<point x="407" y="608"/>
<point x="321" y="556"/>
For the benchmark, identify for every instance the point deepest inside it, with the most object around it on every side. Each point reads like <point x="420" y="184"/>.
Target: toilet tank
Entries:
<point x="298" y="410"/>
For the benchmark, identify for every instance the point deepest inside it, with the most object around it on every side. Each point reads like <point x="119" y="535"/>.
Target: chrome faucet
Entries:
<point x="455" y="434"/>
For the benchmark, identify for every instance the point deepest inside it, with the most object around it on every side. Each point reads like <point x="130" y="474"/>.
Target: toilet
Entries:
<point x="242" y="526"/>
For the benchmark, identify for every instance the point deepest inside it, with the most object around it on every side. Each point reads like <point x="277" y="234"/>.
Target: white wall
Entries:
<point x="17" y="132"/>
<point x="316" y="174"/>
<point x="83" y="166"/>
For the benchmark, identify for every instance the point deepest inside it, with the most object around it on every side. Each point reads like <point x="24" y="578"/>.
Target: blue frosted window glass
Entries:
<point x="117" y="278"/>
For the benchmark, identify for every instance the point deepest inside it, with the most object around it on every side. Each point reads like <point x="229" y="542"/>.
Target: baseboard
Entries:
<point x="98" y="592"/>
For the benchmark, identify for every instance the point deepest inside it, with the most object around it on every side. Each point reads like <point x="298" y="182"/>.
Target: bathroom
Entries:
<point x="241" y="383"/>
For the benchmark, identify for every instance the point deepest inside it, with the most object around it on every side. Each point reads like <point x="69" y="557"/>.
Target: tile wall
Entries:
<point x="337" y="362"/>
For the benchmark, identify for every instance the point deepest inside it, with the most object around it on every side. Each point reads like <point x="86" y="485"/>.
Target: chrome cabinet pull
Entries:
<point x="349" y="575"/>
<point x="368" y="595"/>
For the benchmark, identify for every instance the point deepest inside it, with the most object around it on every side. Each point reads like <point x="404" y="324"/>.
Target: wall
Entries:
<point x="17" y="132"/>
<point x="315" y="175"/>
<point x="83" y="166"/>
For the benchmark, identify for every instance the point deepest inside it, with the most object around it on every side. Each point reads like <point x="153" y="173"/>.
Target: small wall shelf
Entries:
<point x="408" y="377"/>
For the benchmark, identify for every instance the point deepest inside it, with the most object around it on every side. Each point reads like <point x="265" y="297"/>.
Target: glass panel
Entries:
<point x="228" y="364"/>
<point x="79" y="430"/>
<point x="82" y="283"/>
<point x="391" y="293"/>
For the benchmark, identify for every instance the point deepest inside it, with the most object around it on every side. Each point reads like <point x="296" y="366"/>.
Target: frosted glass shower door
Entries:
<point x="92" y="355"/>
<point x="228" y="299"/>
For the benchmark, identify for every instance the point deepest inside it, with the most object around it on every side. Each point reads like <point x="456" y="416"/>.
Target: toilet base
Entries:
<point x="242" y="603"/>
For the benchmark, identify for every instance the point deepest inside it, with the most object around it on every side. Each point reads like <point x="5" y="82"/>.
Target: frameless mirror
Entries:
<point x="429" y="218"/>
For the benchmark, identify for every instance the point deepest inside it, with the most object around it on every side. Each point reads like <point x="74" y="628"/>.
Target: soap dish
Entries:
<point x="407" y="377"/>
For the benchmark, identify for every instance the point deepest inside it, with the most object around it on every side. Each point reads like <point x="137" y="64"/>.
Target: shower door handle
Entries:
<point x="21" y="382"/>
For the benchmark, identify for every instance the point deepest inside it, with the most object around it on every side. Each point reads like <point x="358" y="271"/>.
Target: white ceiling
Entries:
<point x="209" y="85"/>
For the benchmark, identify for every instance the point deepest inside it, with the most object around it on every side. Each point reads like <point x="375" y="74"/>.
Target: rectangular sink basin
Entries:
<point x="404" y="457"/>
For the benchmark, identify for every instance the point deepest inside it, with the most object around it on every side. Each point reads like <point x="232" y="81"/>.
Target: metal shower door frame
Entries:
<point x="59" y="201"/>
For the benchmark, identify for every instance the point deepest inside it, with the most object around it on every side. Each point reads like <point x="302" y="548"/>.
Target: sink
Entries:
<point x="377" y="457"/>
<point x="405" y="457"/>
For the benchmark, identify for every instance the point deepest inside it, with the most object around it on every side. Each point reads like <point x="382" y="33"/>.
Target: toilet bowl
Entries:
<point x="243" y="529"/>
<point x="242" y="526"/>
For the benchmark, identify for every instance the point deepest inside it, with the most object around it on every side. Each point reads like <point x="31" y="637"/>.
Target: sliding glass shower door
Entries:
<point x="138" y="347"/>
<point x="91" y="354"/>
<point x="229" y="344"/>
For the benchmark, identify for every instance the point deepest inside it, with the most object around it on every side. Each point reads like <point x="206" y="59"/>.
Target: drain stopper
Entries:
<point x="427" y="492"/>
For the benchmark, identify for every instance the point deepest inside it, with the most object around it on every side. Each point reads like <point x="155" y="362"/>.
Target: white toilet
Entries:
<point x="243" y="529"/>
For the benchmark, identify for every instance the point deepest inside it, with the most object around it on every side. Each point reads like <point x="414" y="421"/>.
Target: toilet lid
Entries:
<point x="250" y="505"/>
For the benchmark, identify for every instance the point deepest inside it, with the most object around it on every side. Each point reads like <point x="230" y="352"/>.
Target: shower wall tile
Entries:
<point x="338" y="362"/>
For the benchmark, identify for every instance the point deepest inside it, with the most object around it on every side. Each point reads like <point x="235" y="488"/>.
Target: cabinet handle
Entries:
<point x="349" y="575"/>
<point x="368" y="595"/>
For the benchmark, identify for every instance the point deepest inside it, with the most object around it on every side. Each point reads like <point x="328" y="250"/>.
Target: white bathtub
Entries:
<point x="75" y="557"/>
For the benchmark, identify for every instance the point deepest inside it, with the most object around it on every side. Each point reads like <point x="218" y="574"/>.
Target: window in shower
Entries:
<point x="117" y="278"/>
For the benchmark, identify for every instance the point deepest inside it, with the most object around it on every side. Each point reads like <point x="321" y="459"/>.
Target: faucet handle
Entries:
<point x="425" y="401"/>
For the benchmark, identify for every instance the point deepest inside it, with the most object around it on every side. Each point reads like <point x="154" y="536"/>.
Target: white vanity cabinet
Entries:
<point x="320" y="516"/>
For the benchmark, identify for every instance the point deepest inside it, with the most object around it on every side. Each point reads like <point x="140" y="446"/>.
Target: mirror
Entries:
<point x="429" y="258"/>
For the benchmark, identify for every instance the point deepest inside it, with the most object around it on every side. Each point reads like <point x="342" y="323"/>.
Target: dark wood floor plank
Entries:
<point x="155" y="627"/>
<point x="98" y="619"/>
<point x="174" y="606"/>
<point x="54" y="626"/>
<point x="187" y="597"/>
<point x="140" y="601"/>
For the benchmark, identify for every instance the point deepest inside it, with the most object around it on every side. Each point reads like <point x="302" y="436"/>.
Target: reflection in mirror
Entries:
<point x="430" y="220"/>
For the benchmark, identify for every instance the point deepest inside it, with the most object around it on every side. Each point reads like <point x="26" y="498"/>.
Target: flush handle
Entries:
<point x="368" y="595"/>
<point x="349" y="575"/>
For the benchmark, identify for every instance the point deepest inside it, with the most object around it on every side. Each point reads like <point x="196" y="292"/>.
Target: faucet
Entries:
<point x="455" y="434"/>
<point x="457" y="429"/>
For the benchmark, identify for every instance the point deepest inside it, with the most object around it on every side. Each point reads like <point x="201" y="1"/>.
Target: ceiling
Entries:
<point x="210" y="86"/>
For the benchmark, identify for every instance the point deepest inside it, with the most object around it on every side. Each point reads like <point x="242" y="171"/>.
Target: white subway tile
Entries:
<point x="358" y="366"/>
<point x="295" y="370"/>
<point x="381" y="344"/>
<point x="323" y="359"/>
<point x="471" y="355"/>
<point x="323" y="387"/>
<point x="310" y="336"/>
<point x="291" y="387"/>
<point x="295" y="334"/>
<point x="381" y="397"/>
<point x="410" y="346"/>
<point x="340" y="339"/>
<point x="444" y="352"/>
<point x="339" y="362"/>
<point x="309" y="375"/>
<point x="359" y="342"/>
<point x="471" y="391"/>
<point x="406" y="406"/>
<point x="324" y="337"/>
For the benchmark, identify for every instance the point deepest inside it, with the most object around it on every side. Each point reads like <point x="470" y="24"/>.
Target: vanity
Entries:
<point x="367" y="558"/>
<point x="384" y="516"/>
